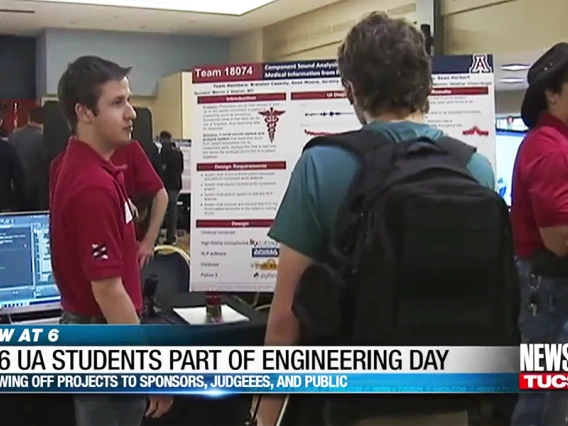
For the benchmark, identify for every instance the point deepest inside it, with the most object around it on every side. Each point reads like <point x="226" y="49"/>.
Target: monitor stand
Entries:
<point x="42" y="321"/>
<point x="50" y="317"/>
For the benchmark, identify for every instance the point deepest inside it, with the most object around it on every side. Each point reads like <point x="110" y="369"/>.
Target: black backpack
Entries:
<point x="422" y="254"/>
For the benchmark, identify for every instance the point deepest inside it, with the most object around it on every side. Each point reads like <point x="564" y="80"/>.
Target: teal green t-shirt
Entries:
<point x="321" y="179"/>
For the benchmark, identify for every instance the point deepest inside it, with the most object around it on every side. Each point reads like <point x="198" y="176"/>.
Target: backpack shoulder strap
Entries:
<point x="364" y="145"/>
<point x="376" y="156"/>
<point x="459" y="150"/>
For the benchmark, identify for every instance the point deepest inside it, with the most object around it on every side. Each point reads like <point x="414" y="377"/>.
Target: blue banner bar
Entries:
<point x="225" y="384"/>
<point x="113" y="335"/>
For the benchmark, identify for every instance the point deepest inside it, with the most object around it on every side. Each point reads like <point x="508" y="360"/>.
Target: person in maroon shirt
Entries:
<point x="539" y="215"/>
<point x="144" y="187"/>
<point x="93" y="244"/>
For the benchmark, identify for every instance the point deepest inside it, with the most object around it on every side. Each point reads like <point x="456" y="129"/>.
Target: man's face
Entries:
<point x="114" y="120"/>
<point x="558" y="102"/>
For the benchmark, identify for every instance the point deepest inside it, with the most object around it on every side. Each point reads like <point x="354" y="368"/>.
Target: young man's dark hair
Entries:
<point x="386" y="65"/>
<point x="165" y="135"/>
<point x="35" y="115"/>
<point x="81" y="82"/>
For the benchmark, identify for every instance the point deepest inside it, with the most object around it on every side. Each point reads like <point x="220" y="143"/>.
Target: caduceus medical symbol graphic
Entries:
<point x="271" y="118"/>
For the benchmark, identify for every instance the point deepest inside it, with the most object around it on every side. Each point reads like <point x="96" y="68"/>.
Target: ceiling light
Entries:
<point x="224" y="7"/>
<point x="515" y="67"/>
<point x="511" y="80"/>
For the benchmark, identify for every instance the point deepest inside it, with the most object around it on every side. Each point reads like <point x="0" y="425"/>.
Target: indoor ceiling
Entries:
<point x="511" y="69"/>
<point x="29" y="17"/>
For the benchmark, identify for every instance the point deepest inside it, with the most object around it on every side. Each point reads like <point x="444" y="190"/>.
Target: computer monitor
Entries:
<point x="26" y="278"/>
<point x="506" y="146"/>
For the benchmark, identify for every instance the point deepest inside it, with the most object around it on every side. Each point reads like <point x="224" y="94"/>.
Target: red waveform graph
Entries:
<point x="312" y="133"/>
<point x="475" y="131"/>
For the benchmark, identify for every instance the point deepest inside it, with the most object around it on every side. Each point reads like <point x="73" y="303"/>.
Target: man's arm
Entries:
<point x="480" y="168"/>
<point x="97" y="216"/>
<point x="115" y="304"/>
<point x="548" y="189"/>
<point x="299" y="232"/>
<point x="157" y="213"/>
<point x="149" y="184"/>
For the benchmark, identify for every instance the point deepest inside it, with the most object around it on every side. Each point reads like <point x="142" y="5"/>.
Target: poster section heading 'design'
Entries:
<point x="250" y="123"/>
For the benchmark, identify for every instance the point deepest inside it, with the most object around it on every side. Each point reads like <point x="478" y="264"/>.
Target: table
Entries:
<point x="54" y="410"/>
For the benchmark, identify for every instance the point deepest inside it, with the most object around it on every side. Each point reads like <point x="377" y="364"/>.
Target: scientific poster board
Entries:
<point x="250" y="123"/>
<point x="185" y="148"/>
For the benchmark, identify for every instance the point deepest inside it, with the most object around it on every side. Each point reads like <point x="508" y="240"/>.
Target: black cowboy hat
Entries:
<point x="555" y="60"/>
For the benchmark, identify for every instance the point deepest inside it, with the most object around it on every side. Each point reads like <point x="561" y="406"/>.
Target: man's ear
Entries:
<point x="83" y="113"/>
<point x="349" y="92"/>
<point x="550" y="97"/>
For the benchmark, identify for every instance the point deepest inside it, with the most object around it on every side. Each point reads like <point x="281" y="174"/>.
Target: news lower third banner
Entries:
<point x="165" y="360"/>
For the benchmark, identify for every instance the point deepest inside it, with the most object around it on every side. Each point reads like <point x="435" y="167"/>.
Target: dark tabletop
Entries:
<point x="172" y="292"/>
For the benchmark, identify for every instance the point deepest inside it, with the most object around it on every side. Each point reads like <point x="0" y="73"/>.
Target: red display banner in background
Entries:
<point x="15" y="113"/>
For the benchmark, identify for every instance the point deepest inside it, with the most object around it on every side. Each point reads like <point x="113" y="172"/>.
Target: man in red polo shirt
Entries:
<point x="143" y="186"/>
<point x="93" y="244"/>
<point x="539" y="216"/>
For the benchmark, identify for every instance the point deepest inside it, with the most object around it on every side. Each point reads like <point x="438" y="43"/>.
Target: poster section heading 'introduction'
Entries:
<point x="250" y="123"/>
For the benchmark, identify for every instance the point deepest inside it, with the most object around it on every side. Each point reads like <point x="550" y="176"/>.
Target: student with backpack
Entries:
<point x="392" y="234"/>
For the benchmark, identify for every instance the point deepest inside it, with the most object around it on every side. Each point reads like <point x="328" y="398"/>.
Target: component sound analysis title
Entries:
<point x="162" y="359"/>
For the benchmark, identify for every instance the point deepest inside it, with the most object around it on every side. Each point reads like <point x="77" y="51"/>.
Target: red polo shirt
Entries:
<point x="140" y="177"/>
<point x="540" y="184"/>
<point x="92" y="231"/>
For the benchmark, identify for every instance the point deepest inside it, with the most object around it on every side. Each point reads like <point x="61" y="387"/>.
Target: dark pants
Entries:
<point x="442" y="419"/>
<point x="105" y="410"/>
<point x="543" y="319"/>
<point x="172" y="216"/>
<point x="33" y="200"/>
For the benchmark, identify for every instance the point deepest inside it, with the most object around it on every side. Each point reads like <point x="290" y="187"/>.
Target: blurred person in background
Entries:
<point x="172" y="166"/>
<point x="3" y="131"/>
<point x="12" y="189"/>
<point x="30" y="148"/>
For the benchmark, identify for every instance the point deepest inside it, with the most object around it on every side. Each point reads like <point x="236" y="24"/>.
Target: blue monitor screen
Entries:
<point x="26" y="278"/>
<point x="506" y="146"/>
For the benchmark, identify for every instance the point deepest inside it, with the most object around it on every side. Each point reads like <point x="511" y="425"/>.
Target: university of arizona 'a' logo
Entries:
<point x="480" y="65"/>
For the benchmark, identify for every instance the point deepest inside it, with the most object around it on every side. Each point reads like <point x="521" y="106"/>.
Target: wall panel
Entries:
<point x="504" y="26"/>
<point x="311" y="34"/>
<point x="153" y="56"/>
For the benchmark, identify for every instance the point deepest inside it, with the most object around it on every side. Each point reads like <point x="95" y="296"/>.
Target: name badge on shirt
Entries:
<point x="128" y="212"/>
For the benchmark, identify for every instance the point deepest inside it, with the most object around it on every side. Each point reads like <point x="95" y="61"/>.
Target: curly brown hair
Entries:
<point x="386" y="63"/>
